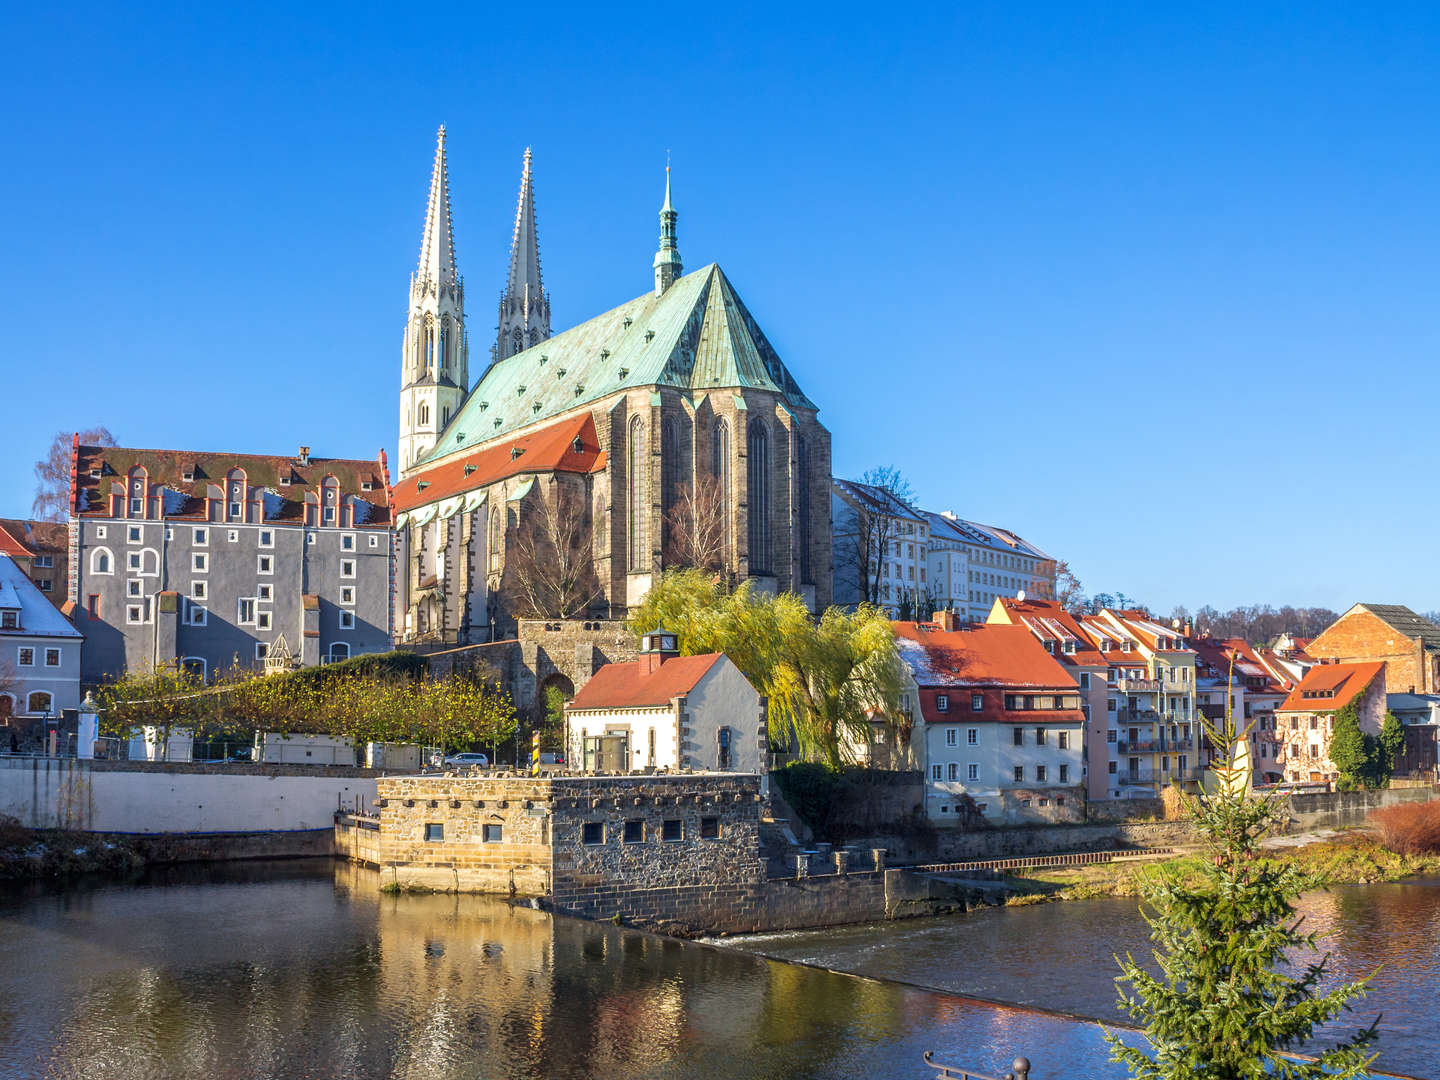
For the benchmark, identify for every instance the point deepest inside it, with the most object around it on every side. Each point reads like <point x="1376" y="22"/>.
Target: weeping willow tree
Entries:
<point x="1227" y="1003"/>
<point x="826" y="682"/>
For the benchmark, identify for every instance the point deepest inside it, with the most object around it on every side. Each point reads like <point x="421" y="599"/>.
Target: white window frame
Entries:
<point x="952" y="736"/>
<point x="199" y="562"/>
<point x="374" y="541"/>
<point x="264" y="620"/>
<point x="347" y="595"/>
<point x="20" y="652"/>
<point x="264" y="564"/>
<point x="134" y="534"/>
<point x="100" y="531"/>
<point x="267" y="538"/>
<point x="972" y="736"/>
<point x="972" y="771"/>
<point x="261" y="648"/>
<point x="942" y="702"/>
<point x="200" y="538"/>
<point x="265" y="592"/>
<point x="347" y="541"/>
<point x="135" y="614"/>
<point x="44" y="562"/>
<point x="240" y="618"/>
<point x="198" y="589"/>
<point x="134" y="587"/>
<point x="347" y="568"/>
<point x="134" y="560"/>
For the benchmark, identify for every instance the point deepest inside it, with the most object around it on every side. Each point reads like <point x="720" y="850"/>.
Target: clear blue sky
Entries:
<point x="1153" y="286"/>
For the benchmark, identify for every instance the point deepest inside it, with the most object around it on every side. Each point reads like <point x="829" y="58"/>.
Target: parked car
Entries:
<point x="466" y="761"/>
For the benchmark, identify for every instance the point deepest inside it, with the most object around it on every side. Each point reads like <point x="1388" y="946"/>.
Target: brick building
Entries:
<point x="1305" y="720"/>
<point x="207" y="559"/>
<point x="1407" y="644"/>
<point x="41" y="551"/>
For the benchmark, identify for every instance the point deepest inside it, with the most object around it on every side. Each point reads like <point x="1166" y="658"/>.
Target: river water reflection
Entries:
<point x="306" y="970"/>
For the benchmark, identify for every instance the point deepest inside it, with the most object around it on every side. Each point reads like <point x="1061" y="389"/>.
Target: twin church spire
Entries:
<point x="435" y="372"/>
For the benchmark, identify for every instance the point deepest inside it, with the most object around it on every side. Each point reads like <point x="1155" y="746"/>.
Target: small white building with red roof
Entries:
<point x="997" y="719"/>
<point x="667" y="711"/>
<point x="1305" y="720"/>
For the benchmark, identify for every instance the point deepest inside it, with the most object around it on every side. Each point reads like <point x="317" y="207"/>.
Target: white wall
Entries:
<point x="724" y="698"/>
<point x="64" y="793"/>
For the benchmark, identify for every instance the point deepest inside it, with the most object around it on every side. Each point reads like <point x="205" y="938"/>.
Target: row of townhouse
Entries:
<point x="904" y="557"/>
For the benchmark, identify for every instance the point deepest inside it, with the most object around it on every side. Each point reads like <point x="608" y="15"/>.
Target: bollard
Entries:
<point x="878" y="854"/>
<point x="1020" y="1068"/>
<point x="842" y="862"/>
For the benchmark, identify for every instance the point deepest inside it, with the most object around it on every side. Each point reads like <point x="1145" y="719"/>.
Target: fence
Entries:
<point x="1075" y="858"/>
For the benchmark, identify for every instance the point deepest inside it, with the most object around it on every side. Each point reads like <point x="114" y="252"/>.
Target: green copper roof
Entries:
<point x="696" y="336"/>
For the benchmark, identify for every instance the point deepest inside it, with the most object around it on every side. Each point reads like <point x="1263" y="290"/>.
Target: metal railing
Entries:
<point x="1019" y="1070"/>
<point x="1073" y="858"/>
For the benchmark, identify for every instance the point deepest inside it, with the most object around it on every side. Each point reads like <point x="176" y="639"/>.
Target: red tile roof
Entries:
<point x="623" y="686"/>
<point x="186" y="499"/>
<point x="9" y="545"/>
<point x="548" y="449"/>
<point x="1341" y="683"/>
<point x="39" y="536"/>
<point x="1049" y="621"/>
<point x="984" y="654"/>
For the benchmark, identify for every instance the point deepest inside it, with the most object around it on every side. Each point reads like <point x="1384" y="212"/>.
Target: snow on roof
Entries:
<point x="38" y="616"/>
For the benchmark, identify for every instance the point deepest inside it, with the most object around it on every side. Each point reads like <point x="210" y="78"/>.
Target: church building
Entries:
<point x="553" y="488"/>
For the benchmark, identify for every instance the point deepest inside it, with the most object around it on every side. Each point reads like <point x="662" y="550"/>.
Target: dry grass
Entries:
<point x="1409" y="829"/>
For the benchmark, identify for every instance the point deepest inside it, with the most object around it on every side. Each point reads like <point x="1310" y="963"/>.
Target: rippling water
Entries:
<point x="306" y="970"/>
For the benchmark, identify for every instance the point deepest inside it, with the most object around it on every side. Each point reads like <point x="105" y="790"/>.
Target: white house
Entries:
<point x="39" y="654"/>
<point x="667" y="711"/>
<point x="998" y="721"/>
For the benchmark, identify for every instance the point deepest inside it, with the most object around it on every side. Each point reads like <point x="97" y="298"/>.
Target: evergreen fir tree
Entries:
<point x="1224" y="1007"/>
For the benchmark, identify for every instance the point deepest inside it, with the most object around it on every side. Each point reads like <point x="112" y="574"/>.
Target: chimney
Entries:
<point x="303" y="457"/>
<point x="1188" y="626"/>
<point x="946" y="620"/>
<point x="656" y="647"/>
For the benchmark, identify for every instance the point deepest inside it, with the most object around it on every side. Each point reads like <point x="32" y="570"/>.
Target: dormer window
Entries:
<point x="9" y="619"/>
<point x="367" y="485"/>
<point x="1069" y="648"/>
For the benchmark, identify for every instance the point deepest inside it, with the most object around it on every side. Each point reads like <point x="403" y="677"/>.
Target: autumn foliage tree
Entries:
<point x="825" y="681"/>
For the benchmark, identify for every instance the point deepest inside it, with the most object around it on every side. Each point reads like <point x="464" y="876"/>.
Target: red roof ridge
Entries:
<point x="622" y="685"/>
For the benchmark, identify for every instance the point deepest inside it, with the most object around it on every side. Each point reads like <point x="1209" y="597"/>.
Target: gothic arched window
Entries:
<point x="444" y="346"/>
<point x="720" y="469"/>
<point x="534" y="337"/>
<point x="758" y="497"/>
<point x="635" y="490"/>
<point x="517" y="341"/>
<point x="422" y="416"/>
<point x="802" y="499"/>
<point x="429" y="346"/>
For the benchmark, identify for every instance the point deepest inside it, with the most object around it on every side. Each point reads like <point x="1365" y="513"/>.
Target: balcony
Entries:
<point x="1137" y="781"/>
<point x="1138" y="686"/>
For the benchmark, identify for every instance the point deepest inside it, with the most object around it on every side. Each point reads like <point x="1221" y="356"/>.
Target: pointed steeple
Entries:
<point x="435" y="356"/>
<point x="437" y="246"/>
<point x="524" y="305"/>
<point x="667" y="260"/>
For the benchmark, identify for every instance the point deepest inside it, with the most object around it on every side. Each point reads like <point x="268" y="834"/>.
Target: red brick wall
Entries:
<point x="1359" y="636"/>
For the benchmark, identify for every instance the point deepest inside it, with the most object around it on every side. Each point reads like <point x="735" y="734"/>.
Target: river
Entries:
<point x="305" y="970"/>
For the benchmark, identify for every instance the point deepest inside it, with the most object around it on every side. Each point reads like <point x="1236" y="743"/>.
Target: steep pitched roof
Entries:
<point x="549" y="449"/>
<point x="185" y="499"/>
<point x="877" y="499"/>
<point x="1048" y="621"/>
<point x="1404" y="621"/>
<point x="38" y="616"/>
<point x="10" y="545"/>
<point x="1330" y="687"/>
<point x="524" y="279"/>
<point x="983" y="654"/>
<point x="625" y="686"/>
<point x="36" y="537"/>
<point x="695" y="336"/>
<point x="437" y="245"/>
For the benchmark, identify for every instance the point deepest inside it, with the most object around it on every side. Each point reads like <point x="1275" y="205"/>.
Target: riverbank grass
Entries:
<point x="1354" y="858"/>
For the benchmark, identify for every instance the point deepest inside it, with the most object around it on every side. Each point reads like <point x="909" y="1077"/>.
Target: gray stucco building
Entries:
<point x="208" y="558"/>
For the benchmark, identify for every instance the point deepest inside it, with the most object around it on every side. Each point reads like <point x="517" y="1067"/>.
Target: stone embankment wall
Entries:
<point x="1339" y="809"/>
<point x="175" y="797"/>
<point x="356" y="837"/>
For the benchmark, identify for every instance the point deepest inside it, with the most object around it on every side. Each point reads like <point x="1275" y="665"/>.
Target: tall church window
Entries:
<point x="758" y="500"/>
<point x="669" y="464"/>
<point x="635" y="485"/>
<point x="802" y="497"/>
<point x="429" y="346"/>
<point x="517" y="341"/>
<point x="423" y="415"/>
<point x="444" y="346"/>
<point x="720" y="469"/>
<point x="534" y="337"/>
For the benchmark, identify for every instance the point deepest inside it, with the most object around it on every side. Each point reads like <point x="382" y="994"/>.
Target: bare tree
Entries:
<point x="695" y="528"/>
<point x="863" y="539"/>
<point x="52" y="473"/>
<point x="1069" y="593"/>
<point x="551" y="570"/>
